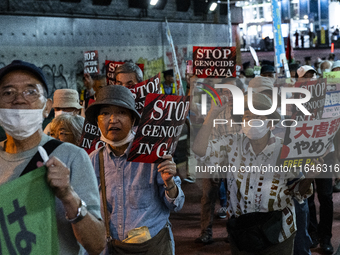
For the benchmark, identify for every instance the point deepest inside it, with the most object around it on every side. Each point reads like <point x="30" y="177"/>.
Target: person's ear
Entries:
<point x="47" y="108"/>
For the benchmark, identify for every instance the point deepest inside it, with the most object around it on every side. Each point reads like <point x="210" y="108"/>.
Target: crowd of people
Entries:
<point x="107" y="204"/>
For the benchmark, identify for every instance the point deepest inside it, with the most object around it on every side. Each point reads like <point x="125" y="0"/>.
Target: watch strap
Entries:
<point x="82" y="211"/>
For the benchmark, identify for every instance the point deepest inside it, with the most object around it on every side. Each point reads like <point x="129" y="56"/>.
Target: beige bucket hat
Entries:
<point x="66" y="98"/>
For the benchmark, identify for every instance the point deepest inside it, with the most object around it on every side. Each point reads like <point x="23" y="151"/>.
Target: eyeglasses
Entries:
<point x="60" y="134"/>
<point x="8" y="95"/>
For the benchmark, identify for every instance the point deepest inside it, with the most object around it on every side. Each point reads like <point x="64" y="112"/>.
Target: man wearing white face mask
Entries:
<point x="65" y="101"/>
<point x="257" y="199"/>
<point x="23" y="105"/>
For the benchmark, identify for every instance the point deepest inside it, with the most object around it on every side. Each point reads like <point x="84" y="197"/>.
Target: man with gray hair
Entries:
<point x="128" y="74"/>
<point x="23" y="106"/>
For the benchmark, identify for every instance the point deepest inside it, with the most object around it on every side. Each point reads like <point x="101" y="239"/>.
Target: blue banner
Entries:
<point x="278" y="39"/>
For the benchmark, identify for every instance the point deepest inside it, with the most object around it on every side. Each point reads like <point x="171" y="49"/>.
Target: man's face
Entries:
<point x="20" y="85"/>
<point x="126" y="79"/>
<point x="248" y="115"/>
<point x="114" y="122"/>
<point x="268" y="74"/>
<point x="98" y="84"/>
<point x="309" y="74"/>
<point x="62" y="133"/>
<point x="169" y="78"/>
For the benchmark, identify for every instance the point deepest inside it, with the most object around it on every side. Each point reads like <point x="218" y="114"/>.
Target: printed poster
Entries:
<point x="28" y="218"/>
<point x="214" y="62"/>
<point x="315" y="105"/>
<point x="90" y="137"/>
<point x="332" y="101"/>
<point x="142" y="89"/>
<point x="160" y="128"/>
<point x="91" y="63"/>
<point x="308" y="140"/>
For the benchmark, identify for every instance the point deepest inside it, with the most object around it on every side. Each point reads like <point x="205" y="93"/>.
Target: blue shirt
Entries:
<point x="135" y="193"/>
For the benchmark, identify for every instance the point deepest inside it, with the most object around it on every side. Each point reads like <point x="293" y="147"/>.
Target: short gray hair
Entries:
<point x="130" y="67"/>
<point x="74" y="122"/>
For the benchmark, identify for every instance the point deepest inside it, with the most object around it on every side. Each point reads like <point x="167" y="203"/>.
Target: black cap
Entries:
<point x="168" y="72"/>
<point x="22" y="65"/>
<point x="267" y="69"/>
<point x="246" y="65"/>
<point x="267" y="62"/>
<point x="308" y="58"/>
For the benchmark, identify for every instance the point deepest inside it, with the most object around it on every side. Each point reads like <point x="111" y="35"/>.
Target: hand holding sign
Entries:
<point x="58" y="177"/>
<point x="167" y="168"/>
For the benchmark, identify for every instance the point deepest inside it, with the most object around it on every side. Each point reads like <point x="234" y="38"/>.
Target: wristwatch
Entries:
<point x="82" y="211"/>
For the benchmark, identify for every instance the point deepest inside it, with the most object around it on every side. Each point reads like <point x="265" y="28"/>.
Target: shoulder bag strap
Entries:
<point x="50" y="146"/>
<point x="102" y="184"/>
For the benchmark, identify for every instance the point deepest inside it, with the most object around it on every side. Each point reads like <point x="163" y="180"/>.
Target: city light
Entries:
<point x="153" y="2"/>
<point x="213" y="7"/>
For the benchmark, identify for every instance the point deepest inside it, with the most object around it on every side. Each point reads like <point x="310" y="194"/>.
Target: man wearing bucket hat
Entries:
<point x="259" y="201"/>
<point x="65" y="101"/>
<point x="140" y="196"/>
<point x="23" y="105"/>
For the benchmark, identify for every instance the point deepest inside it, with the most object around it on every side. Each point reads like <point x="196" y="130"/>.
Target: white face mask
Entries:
<point x="126" y="140"/>
<point x="57" y="113"/>
<point x="256" y="132"/>
<point x="21" y="123"/>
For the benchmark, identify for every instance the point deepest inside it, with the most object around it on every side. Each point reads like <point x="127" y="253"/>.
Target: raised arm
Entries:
<point x="202" y="138"/>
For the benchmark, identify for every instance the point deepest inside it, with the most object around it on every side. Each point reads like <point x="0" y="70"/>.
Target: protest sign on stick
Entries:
<point x="91" y="63"/>
<point x="214" y="62"/>
<point x="142" y="89"/>
<point x="315" y="105"/>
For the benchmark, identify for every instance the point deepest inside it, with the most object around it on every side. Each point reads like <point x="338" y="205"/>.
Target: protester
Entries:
<point x="293" y="70"/>
<point x="336" y="66"/>
<point x="268" y="71"/>
<point x="306" y="72"/>
<point x="67" y="128"/>
<point x="302" y="241"/>
<point x="325" y="67"/>
<point x="138" y="194"/>
<point x="250" y="192"/>
<point x="23" y="105"/>
<point x="128" y="74"/>
<point x="212" y="186"/>
<point x="168" y="87"/>
<point x="98" y="81"/>
<point x="88" y="91"/>
<point x="65" y="101"/>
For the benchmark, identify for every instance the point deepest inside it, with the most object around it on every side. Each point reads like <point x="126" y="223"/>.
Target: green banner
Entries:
<point x="27" y="216"/>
